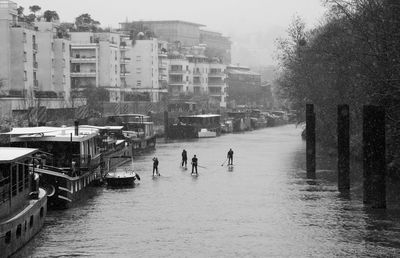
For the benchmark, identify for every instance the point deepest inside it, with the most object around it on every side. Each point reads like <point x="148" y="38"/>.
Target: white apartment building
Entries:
<point x="96" y="62"/>
<point x="23" y="81"/>
<point x="144" y="69"/>
<point x="163" y="64"/>
<point x="54" y="59"/>
<point x="179" y="75"/>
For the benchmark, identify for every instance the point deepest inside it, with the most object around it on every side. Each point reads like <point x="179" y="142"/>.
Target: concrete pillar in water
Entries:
<point x="343" y="141"/>
<point x="310" y="141"/>
<point x="166" y="124"/>
<point x="374" y="156"/>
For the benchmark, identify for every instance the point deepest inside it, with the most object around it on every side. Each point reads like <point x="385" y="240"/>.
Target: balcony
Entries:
<point x="216" y="83"/>
<point x="176" y="82"/>
<point x="197" y="73"/>
<point x="177" y="71"/>
<point x="216" y="74"/>
<point x="125" y="60"/>
<point x="35" y="65"/>
<point x="84" y="74"/>
<point x="84" y="60"/>
<point x="76" y="46"/>
<point x="124" y="73"/>
<point x="197" y="83"/>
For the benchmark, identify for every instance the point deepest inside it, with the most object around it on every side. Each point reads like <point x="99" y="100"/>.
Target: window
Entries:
<point x="138" y="70"/>
<point x="25" y="76"/>
<point x="41" y="212"/>
<point x="31" y="221"/>
<point x="24" y="37"/>
<point x="64" y="79"/>
<point x="19" y="229"/>
<point x="116" y="69"/>
<point x="7" y="239"/>
<point x="52" y="46"/>
<point x="138" y="83"/>
<point x="63" y="47"/>
<point x="24" y="56"/>
<point x="187" y="68"/>
<point x="187" y="78"/>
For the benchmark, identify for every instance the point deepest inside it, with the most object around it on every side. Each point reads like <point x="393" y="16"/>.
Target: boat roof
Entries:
<point x="129" y="115"/>
<point x="10" y="154"/>
<point x="52" y="134"/>
<point x="32" y="130"/>
<point x="203" y="115"/>
<point x="107" y="127"/>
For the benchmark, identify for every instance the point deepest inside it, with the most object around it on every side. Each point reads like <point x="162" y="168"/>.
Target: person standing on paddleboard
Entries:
<point x="184" y="158"/>
<point x="194" y="164"/>
<point x="230" y="157"/>
<point x="155" y="167"/>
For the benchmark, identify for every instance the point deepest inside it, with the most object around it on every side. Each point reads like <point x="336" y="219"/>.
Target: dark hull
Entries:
<point x="64" y="191"/>
<point x="120" y="182"/>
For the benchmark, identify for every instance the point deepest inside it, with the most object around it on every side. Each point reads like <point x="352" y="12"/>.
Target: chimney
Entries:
<point x="76" y="127"/>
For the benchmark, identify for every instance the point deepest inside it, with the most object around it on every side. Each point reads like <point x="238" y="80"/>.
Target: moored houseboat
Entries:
<point x="196" y="126"/>
<point x="138" y="129"/>
<point x="69" y="163"/>
<point x="23" y="205"/>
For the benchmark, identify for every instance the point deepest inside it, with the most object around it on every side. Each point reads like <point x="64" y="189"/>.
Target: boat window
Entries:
<point x="31" y="221"/>
<point x="18" y="233"/>
<point x="14" y="180"/>
<point x="7" y="239"/>
<point x="20" y="177"/>
<point x="26" y="174"/>
<point x="41" y="212"/>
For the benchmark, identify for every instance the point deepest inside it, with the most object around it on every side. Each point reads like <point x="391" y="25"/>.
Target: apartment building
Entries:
<point x="217" y="87"/>
<point x="179" y="75"/>
<point x="144" y="68"/>
<point x="244" y="85"/>
<point x="28" y="70"/>
<point x="163" y="64"/>
<point x="53" y="55"/>
<point x="96" y="62"/>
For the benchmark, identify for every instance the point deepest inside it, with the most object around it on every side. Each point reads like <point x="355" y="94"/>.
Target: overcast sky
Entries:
<point x="260" y="20"/>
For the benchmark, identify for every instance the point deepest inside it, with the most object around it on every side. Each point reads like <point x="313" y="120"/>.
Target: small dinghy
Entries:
<point x="121" y="178"/>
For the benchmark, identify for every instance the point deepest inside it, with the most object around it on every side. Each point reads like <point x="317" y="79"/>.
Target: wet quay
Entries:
<point x="264" y="207"/>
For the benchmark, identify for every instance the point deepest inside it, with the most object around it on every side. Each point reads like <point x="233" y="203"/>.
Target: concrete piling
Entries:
<point x="310" y="141"/>
<point x="374" y="161"/>
<point x="343" y="142"/>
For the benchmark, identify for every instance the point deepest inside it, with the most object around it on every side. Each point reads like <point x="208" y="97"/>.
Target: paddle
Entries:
<point x="201" y="166"/>
<point x="224" y="162"/>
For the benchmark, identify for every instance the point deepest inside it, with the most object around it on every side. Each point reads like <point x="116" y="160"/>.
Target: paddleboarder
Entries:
<point x="184" y="158"/>
<point x="155" y="167"/>
<point x="230" y="157"/>
<point x="194" y="164"/>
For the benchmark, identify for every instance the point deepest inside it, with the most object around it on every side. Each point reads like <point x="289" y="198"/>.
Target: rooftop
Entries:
<point x="10" y="154"/>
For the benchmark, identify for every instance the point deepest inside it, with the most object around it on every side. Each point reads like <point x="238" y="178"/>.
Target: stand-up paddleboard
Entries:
<point x="230" y="167"/>
<point x="194" y="174"/>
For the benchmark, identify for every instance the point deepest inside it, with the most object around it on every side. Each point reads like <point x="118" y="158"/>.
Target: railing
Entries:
<point x="177" y="71"/>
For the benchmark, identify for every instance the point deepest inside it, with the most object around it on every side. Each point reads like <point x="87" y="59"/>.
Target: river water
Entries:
<point x="264" y="207"/>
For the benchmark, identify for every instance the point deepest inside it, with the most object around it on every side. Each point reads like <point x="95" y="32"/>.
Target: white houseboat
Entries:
<point x="70" y="161"/>
<point x="23" y="205"/>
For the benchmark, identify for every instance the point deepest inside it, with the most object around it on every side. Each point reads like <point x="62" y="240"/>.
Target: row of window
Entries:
<point x="18" y="232"/>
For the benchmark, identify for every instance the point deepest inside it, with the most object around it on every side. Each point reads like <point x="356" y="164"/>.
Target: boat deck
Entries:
<point x="21" y="213"/>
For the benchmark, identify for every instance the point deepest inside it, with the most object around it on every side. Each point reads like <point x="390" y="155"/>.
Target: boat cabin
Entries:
<point x="16" y="182"/>
<point x="208" y="121"/>
<point x="62" y="147"/>
<point x="134" y="125"/>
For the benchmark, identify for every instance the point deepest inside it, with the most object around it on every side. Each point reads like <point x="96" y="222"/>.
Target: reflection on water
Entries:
<point x="263" y="207"/>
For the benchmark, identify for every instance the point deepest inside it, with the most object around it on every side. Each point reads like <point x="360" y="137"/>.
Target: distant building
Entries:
<point x="187" y="33"/>
<point x="244" y="86"/>
<point x="144" y="69"/>
<point x="96" y="62"/>
<point x="217" y="45"/>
